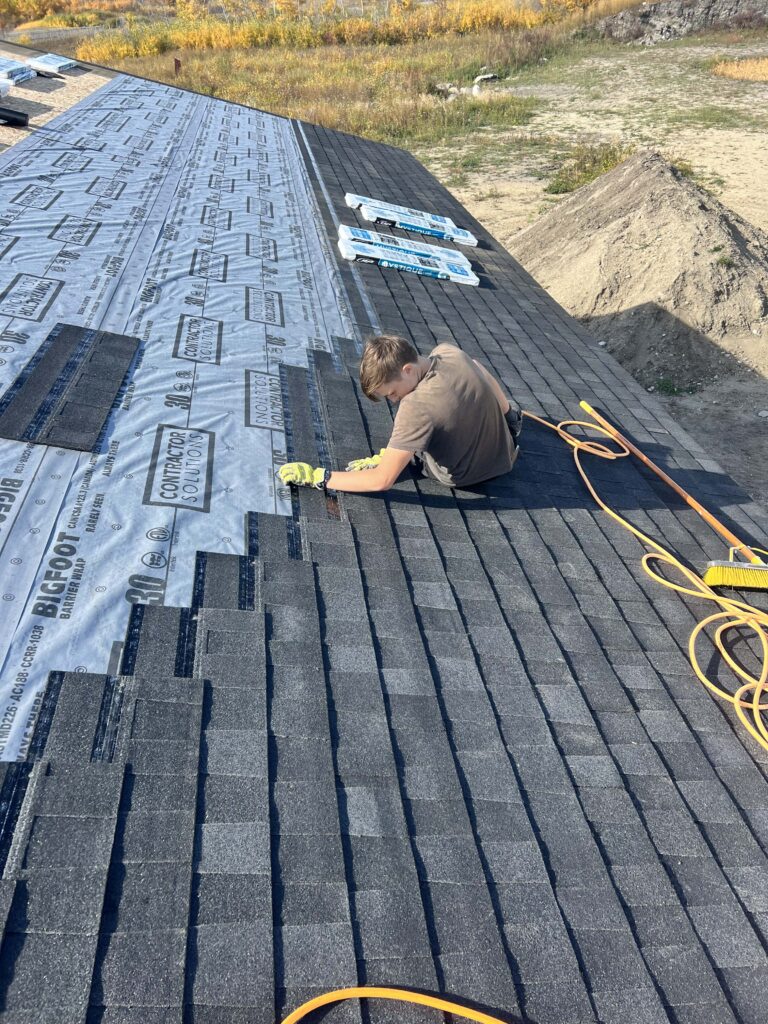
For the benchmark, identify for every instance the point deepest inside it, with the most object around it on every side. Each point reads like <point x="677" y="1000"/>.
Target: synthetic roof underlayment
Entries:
<point x="440" y="739"/>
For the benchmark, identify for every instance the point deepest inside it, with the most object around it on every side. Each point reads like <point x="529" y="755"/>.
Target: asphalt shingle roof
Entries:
<point x="440" y="739"/>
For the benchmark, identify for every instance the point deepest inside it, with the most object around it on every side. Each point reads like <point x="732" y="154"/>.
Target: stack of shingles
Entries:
<point x="65" y="393"/>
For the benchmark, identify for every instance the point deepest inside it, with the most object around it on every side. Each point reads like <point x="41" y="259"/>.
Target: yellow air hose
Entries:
<point x="395" y="994"/>
<point x="732" y="615"/>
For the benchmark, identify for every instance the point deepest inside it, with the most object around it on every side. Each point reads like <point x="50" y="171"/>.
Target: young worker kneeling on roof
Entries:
<point x="452" y="418"/>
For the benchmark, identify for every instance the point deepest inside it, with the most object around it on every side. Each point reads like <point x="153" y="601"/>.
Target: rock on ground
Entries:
<point x="672" y="19"/>
<point x="671" y="280"/>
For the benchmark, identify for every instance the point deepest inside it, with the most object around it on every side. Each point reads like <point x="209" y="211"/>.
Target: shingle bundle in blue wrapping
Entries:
<point x="15" y="71"/>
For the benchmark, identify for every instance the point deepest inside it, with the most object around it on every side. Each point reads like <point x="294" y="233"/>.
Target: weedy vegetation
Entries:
<point x="587" y="163"/>
<point x="753" y="69"/>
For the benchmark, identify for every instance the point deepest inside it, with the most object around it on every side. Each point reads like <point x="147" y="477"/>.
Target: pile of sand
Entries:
<point x="672" y="281"/>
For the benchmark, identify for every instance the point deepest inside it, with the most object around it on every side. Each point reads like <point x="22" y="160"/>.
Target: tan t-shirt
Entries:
<point x="454" y="416"/>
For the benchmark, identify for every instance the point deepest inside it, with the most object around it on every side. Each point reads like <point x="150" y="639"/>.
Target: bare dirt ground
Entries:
<point x="664" y="98"/>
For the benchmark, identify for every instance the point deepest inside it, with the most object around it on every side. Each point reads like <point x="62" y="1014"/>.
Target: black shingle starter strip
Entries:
<point x="482" y="865"/>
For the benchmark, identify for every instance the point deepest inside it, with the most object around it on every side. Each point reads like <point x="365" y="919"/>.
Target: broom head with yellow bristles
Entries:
<point x="752" y="575"/>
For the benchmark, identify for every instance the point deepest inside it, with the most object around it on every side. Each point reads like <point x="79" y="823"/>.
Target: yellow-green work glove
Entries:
<point x="303" y="475"/>
<point x="370" y="463"/>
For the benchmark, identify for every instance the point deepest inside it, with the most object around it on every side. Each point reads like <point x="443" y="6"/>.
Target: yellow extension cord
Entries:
<point x="732" y="615"/>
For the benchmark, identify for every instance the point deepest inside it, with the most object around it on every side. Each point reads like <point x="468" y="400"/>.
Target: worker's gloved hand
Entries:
<point x="301" y="474"/>
<point x="370" y="463"/>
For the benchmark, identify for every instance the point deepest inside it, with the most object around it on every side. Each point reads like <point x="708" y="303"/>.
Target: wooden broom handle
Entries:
<point x="732" y="539"/>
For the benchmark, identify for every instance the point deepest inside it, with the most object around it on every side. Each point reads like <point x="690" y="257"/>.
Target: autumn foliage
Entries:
<point x="296" y="25"/>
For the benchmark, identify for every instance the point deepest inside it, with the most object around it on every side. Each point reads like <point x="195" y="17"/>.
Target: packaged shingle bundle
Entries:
<point x="418" y="221"/>
<point x="424" y="266"/>
<point x="402" y="245"/>
<point x="51" y="62"/>
<point x="14" y="71"/>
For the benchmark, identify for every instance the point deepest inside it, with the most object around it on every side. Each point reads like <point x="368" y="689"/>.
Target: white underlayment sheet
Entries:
<point x="191" y="224"/>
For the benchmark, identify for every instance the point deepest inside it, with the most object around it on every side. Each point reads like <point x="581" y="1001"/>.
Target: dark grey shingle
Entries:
<point x="374" y="810"/>
<point x="728" y="936"/>
<point x="157" y="837"/>
<point x="232" y="964"/>
<point x="318" y="954"/>
<point x="683" y="974"/>
<point x="146" y="897"/>
<point x="611" y="960"/>
<point x="304" y="858"/>
<point x="90" y="791"/>
<point x="240" y="848"/>
<point x="383" y="861"/>
<point x="61" y="842"/>
<point x="233" y="798"/>
<point x="644" y="885"/>
<point x="41" y="973"/>
<point x="463" y="918"/>
<point x="236" y="752"/>
<point x="68" y="900"/>
<point x="741" y="983"/>
<point x="140" y="967"/>
<point x="629" y="1006"/>
<point x="391" y="924"/>
<point x="662" y="926"/>
<point x="483" y="977"/>
<point x="638" y="759"/>
<point x="236" y="899"/>
<point x="558" y="999"/>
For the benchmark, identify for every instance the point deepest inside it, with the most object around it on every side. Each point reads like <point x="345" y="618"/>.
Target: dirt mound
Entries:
<point x="672" y="19"/>
<point x="673" y="282"/>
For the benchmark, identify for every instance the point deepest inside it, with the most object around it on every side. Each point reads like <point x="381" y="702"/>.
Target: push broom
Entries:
<point x="750" y="574"/>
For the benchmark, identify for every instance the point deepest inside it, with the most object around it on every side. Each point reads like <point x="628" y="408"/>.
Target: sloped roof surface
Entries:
<point x="441" y="739"/>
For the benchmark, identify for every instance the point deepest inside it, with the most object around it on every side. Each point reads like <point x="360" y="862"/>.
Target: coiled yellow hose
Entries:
<point x="732" y="615"/>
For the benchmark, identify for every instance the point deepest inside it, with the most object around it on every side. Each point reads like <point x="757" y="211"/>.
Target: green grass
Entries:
<point x="491" y="193"/>
<point x="561" y="66"/>
<point x="666" y="386"/>
<point x="713" y="116"/>
<point x="585" y="164"/>
<point x="719" y="37"/>
<point x="682" y="166"/>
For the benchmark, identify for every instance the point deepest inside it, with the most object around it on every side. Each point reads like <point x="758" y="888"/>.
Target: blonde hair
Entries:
<point x="384" y="357"/>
